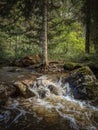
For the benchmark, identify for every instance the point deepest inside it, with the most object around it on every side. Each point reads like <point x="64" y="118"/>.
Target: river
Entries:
<point x="51" y="108"/>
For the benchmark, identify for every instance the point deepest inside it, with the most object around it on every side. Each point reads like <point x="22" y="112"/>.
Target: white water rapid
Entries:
<point x="53" y="108"/>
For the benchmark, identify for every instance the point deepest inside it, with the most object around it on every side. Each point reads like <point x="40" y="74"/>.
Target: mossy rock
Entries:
<point x="85" y="70"/>
<point x="83" y="83"/>
<point x="93" y="66"/>
<point x="71" y="66"/>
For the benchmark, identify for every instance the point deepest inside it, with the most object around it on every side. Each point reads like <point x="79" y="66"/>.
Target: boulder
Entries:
<point x="23" y="89"/>
<point x="6" y="90"/>
<point x="83" y="83"/>
<point x="93" y="66"/>
<point x="71" y="66"/>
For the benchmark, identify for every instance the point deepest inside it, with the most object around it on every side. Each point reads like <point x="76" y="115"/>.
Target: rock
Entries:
<point x="21" y="88"/>
<point x="27" y="61"/>
<point x="6" y="90"/>
<point x="83" y="83"/>
<point x="56" y="90"/>
<point x="24" y="89"/>
<point x="41" y="88"/>
<point x="50" y="87"/>
<point x="71" y="66"/>
<point x="27" y="90"/>
<point x="93" y="66"/>
<point x="94" y="102"/>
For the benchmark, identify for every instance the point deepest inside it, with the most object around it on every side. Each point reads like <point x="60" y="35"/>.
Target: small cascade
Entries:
<point x="44" y="87"/>
<point x="53" y="106"/>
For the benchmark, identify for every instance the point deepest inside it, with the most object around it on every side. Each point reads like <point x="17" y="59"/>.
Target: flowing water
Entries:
<point x="51" y="108"/>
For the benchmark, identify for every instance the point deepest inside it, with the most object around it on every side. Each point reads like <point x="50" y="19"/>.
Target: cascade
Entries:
<point x="52" y="107"/>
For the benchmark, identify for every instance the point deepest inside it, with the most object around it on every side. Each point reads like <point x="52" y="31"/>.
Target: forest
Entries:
<point x="49" y="64"/>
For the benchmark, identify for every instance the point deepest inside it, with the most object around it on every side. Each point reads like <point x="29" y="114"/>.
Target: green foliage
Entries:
<point x="70" y="44"/>
<point x="21" y="29"/>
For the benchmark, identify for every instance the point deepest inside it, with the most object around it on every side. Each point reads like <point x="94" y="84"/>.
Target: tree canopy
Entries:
<point x="30" y="25"/>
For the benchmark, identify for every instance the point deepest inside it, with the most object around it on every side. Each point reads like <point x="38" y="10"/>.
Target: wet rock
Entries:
<point x="50" y="87"/>
<point x="56" y="90"/>
<point x="41" y="88"/>
<point x="6" y="90"/>
<point x="94" y="102"/>
<point x="37" y="89"/>
<point x="83" y="83"/>
<point x="24" y="90"/>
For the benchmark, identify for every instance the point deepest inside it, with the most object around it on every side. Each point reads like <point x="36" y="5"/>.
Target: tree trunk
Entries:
<point x="95" y="24"/>
<point x="88" y="19"/>
<point x="44" y="35"/>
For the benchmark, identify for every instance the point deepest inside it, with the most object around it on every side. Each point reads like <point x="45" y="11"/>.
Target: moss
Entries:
<point x="85" y="70"/>
<point x="96" y="89"/>
<point x="71" y="66"/>
<point x="91" y="64"/>
<point x="92" y="91"/>
<point x="90" y="82"/>
<point x="84" y="83"/>
<point x="94" y="67"/>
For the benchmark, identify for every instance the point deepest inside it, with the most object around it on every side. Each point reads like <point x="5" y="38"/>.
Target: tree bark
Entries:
<point x="44" y="35"/>
<point x="95" y="24"/>
<point x="88" y="21"/>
